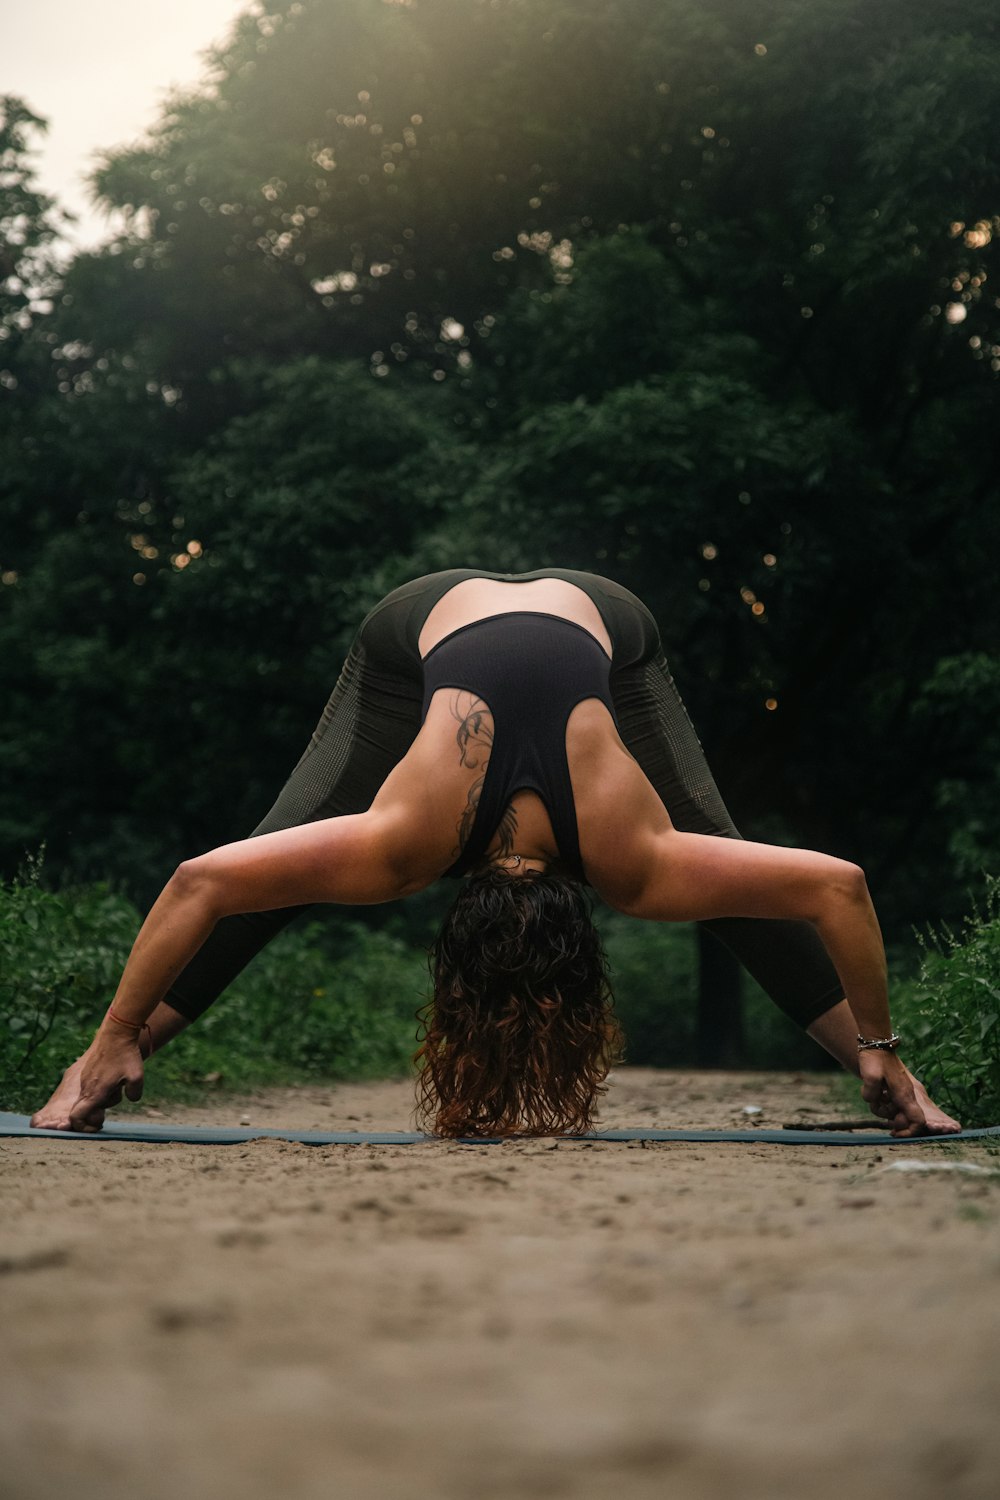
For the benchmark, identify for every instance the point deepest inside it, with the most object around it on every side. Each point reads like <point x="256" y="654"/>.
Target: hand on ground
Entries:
<point x="55" y="1113"/>
<point x="894" y="1095"/>
<point x="110" y="1067"/>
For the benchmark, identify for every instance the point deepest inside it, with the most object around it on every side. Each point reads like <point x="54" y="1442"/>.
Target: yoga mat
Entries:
<point x="209" y="1135"/>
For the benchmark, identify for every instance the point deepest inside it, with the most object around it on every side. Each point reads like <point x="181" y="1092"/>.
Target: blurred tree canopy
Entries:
<point x="690" y="293"/>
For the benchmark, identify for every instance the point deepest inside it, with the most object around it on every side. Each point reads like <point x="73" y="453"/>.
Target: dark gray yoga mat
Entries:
<point x="206" y="1135"/>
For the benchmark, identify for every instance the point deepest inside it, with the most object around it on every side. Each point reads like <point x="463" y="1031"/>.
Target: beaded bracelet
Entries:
<point x="879" y="1043"/>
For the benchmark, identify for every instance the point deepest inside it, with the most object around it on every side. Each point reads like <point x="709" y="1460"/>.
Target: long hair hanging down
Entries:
<point x="520" y="1032"/>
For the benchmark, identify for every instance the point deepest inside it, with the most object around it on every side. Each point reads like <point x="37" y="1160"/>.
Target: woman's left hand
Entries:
<point x="887" y="1089"/>
<point x="111" y="1067"/>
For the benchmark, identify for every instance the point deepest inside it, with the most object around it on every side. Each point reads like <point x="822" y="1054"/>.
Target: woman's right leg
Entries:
<point x="367" y="726"/>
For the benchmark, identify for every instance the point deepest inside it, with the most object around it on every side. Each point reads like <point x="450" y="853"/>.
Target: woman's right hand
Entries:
<point x="110" y="1067"/>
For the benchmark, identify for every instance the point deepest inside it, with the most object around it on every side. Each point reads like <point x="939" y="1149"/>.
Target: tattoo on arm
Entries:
<point x="475" y="730"/>
<point x="475" y="744"/>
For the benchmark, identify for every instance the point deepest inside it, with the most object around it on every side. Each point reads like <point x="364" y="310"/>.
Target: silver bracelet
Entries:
<point x="879" y="1043"/>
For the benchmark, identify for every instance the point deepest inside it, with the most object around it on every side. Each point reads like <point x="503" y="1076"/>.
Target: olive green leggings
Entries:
<point x="373" y="717"/>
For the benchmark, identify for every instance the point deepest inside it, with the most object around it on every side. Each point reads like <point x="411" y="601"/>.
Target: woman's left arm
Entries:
<point x="692" y="877"/>
<point x="686" y="877"/>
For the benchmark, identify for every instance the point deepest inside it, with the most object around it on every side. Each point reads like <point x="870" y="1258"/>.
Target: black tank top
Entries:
<point x="531" y="670"/>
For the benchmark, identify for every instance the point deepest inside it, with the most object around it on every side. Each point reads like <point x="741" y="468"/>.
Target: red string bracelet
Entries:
<point x="137" y="1026"/>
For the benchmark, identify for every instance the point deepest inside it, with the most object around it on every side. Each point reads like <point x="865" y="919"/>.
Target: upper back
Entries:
<point x="527" y="671"/>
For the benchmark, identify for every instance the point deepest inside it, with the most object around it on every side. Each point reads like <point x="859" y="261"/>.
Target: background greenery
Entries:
<point x="295" y="1014"/>
<point x="689" y="293"/>
<point x="315" y="1004"/>
<point x="951" y="1011"/>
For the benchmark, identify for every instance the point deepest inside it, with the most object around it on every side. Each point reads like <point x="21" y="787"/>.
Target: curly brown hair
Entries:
<point x="520" y="1033"/>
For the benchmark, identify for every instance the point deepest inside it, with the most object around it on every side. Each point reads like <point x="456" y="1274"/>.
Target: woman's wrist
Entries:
<point x="879" y="1061"/>
<point x="123" y="1021"/>
<point x="118" y="1028"/>
<point x="883" y="1042"/>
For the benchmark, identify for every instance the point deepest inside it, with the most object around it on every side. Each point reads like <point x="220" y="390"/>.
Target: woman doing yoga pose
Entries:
<point x="523" y="731"/>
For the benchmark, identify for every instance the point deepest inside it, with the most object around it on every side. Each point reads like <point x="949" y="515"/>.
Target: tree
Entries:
<point x="696" y="297"/>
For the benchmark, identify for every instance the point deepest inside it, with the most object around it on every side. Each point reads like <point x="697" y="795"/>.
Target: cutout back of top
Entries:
<point x="530" y="670"/>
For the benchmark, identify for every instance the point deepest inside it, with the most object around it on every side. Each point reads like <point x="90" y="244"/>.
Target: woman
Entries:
<point x="523" y="730"/>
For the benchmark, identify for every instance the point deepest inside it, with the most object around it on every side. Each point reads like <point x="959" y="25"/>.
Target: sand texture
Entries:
<point x="539" y="1318"/>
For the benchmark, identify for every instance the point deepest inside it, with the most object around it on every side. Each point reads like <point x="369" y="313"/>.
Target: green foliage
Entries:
<point x="654" y="978"/>
<point x="315" y="1004"/>
<point x="29" y="222"/>
<point x="654" y="975"/>
<point x="959" y="707"/>
<point x="60" y="960"/>
<point x="950" y="1015"/>
<point x="243" y="583"/>
<point x="692" y="294"/>
<point x="308" y="1007"/>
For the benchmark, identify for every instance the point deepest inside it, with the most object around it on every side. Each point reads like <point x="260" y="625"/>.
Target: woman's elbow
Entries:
<point x="850" y="881"/>
<point x="844" y="885"/>
<point x="197" y="881"/>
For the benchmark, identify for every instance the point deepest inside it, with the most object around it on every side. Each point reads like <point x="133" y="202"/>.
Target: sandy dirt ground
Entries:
<point x="533" y="1319"/>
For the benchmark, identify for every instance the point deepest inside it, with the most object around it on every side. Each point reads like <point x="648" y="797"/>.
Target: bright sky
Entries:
<point x="98" y="71"/>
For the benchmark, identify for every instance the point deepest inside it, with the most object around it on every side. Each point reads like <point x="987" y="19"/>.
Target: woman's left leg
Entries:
<point x="787" y="959"/>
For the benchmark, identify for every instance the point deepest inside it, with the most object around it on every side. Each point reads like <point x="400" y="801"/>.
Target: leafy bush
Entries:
<point x="950" y="1015"/>
<point x="654" y="978"/>
<point x="325" y="1004"/>
<point x="60" y="959"/>
<point x="337" y="1000"/>
<point x="654" y="975"/>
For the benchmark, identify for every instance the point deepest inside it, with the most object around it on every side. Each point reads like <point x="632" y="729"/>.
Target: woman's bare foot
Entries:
<point x="938" y="1123"/>
<point x="55" y="1114"/>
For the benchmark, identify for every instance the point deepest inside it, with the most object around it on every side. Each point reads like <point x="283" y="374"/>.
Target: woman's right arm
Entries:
<point x="358" y="859"/>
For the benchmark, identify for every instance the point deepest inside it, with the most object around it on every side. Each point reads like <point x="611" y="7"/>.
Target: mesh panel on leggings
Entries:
<point x="786" y="958"/>
<point x="311" y="790"/>
<point x="697" y="806"/>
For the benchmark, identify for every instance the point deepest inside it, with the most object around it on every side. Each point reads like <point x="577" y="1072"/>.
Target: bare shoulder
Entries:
<point x="619" y="815"/>
<point x="433" y="793"/>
